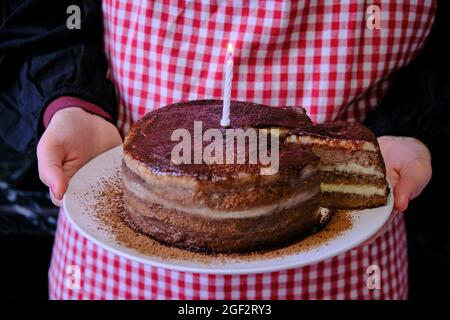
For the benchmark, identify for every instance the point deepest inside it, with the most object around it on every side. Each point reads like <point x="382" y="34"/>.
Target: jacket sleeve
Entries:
<point x="418" y="102"/>
<point x="41" y="59"/>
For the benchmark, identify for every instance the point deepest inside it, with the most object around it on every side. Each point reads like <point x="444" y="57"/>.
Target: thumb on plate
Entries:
<point x="51" y="173"/>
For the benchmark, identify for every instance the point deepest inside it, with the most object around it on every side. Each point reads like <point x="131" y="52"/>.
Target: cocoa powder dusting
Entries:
<point x="108" y="209"/>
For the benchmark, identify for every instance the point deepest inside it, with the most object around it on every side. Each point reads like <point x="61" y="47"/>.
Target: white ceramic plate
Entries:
<point x="365" y="224"/>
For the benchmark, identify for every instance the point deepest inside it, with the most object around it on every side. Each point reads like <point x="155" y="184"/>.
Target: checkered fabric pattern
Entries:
<point x="317" y="54"/>
<point x="105" y="275"/>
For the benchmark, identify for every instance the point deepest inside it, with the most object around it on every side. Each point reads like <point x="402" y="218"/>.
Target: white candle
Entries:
<point x="225" y="121"/>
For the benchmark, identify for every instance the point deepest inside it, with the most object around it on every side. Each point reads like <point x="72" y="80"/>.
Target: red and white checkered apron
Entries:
<point x="317" y="54"/>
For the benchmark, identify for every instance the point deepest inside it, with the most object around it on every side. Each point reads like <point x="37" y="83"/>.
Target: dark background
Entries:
<point x="27" y="224"/>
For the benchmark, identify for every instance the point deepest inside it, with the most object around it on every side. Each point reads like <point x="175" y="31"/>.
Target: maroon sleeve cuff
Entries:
<point x="66" y="102"/>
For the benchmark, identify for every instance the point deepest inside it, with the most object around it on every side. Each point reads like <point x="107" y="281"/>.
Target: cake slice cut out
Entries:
<point x="353" y="174"/>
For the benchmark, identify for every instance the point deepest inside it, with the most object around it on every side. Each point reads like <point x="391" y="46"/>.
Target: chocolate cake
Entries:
<point x="353" y="171"/>
<point x="219" y="207"/>
<point x="223" y="207"/>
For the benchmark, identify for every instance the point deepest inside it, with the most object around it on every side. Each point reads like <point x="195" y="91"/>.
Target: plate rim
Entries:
<point x="206" y="268"/>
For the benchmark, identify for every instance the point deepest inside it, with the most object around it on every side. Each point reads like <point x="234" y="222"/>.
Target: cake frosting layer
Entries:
<point x="352" y="168"/>
<point x="366" y="190"/>
<point x="309" y="139"/>
<point x="346" y="132"/>
<point x="150" y="139"/>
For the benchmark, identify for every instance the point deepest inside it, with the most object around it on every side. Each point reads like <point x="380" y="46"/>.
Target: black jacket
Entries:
<point x="41" y="59"/>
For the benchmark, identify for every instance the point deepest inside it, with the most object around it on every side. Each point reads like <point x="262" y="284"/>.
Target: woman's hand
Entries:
<point x="408" y="167"/>
<point x="72" y="138"/>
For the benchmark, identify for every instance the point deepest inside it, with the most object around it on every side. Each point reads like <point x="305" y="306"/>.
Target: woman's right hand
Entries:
<point x="72" y="138"/>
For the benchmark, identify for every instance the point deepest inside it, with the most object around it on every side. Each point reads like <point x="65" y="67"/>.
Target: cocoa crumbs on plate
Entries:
<point x="107" y="209"/>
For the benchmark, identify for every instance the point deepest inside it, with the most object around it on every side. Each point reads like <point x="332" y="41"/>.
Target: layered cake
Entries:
<point x="219" y="207"/>
<point x="353" y="171"/>
<point x="232" y="207"/>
